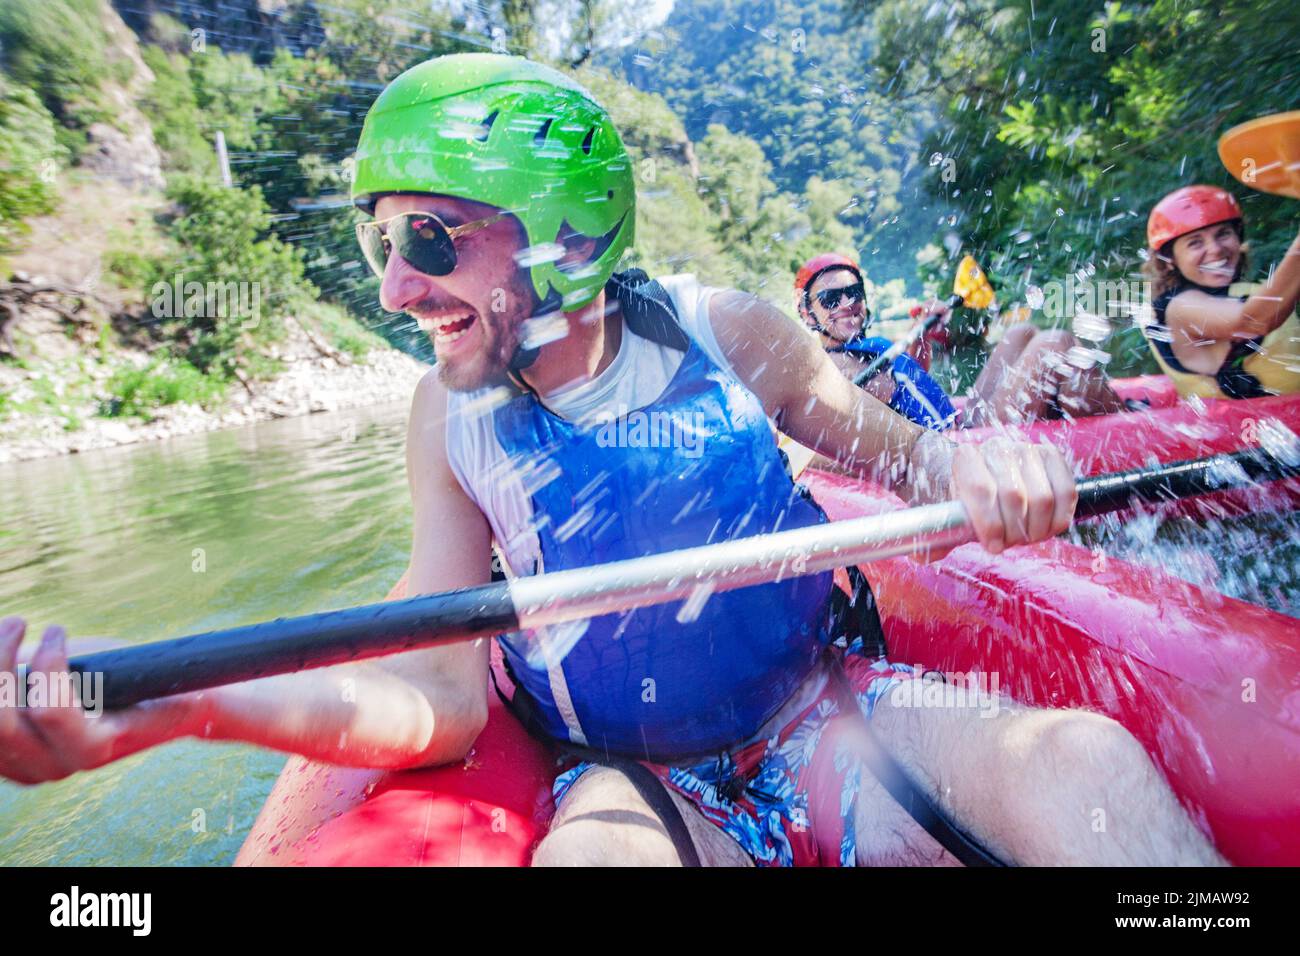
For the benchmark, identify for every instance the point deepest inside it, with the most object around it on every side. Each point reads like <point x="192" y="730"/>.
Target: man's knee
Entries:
<point x="1054" y="340"/>
<point x="569" y="846"/>
<point x="604" y="821"/>
<point x="1074" y="745"/>
<point x="593" y="841"/>
<point x="1048" y="352"/>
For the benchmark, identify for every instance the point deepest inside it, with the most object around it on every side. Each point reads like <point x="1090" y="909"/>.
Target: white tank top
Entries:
<point x="638" y="375"/>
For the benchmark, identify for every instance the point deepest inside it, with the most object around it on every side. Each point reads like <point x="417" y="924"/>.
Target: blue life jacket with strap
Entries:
<point x="663" y="681"/>
<point x="917" y="396"/>
<point x="657" y="682"/>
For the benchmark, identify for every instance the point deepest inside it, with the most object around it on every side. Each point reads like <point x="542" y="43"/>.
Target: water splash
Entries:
<point x="1254" y="558"/>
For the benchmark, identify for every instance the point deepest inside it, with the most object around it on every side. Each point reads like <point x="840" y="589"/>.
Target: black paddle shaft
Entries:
<point x="1180" y="479"/>
<point x="200" y="661"/>
<point x="158" y="669"/>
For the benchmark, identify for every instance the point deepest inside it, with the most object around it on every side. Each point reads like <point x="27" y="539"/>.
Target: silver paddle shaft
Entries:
<point x="560" y="596"/>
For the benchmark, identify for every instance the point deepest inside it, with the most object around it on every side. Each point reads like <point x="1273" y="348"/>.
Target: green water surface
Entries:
<point x="157" y="540"/>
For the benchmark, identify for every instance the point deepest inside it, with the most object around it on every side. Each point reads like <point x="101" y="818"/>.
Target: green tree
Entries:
<point x="674" y="224"/>
<point x="224" y="236"/>
<point x="711" y="207"/>
<point x="172" y="109"/>
<point x="30" y="155"/>
<point x="796" y="79"/>
<point x="59" y="49"/>
<point x="1063" y="123"/>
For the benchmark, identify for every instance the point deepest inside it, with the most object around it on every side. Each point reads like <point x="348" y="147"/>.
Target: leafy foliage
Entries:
<point x="138" y="392"/>
<point x="59" y="49"/>
<point x="194" y="96"/>
<point x="674" y="223"/>
<point x="1036" y="134"/>
<point x="1066" y="122"/>
<point x="173" y="111"/>
<point x="30" y="154"/>
<point x="224" y="237"/>
<point x="793" y="78"/>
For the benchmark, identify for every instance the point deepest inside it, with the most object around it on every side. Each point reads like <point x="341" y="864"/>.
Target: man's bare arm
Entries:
<point x="409" y="710"/>
<point x="415" y="709"/>
<point x="815" y="404"/>
<point x="1013" y="492"/>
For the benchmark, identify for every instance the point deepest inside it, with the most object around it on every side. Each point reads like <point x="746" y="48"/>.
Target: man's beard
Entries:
<point x="486" y="367"/>
<point x="489" y="365"/>
<point x="463" y="380"/>
<point x="472" y="372"/>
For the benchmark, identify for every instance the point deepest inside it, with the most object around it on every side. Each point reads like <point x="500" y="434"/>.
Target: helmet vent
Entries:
<point x="486" y="126"/>
<point x="540" y="139"/>
<point x="586" y="142"/>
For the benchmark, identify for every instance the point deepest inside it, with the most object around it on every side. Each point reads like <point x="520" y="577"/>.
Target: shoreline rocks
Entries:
<point x="304" y="388"/>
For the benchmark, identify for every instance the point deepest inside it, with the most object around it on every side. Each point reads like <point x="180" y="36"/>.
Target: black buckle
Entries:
<point x="855" y="616"/>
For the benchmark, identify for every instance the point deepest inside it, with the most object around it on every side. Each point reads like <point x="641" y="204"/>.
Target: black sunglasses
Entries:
<point x="830" y="298"/>
<point x="421" y="238"/>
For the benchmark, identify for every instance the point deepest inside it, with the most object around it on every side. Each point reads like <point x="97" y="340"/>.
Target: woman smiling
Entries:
<point x="1213" y="334"/>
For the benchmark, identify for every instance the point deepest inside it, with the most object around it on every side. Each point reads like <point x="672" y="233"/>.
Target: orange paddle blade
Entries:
<point x="1264" y="154"/>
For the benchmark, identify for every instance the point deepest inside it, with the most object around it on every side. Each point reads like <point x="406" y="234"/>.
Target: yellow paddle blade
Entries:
<point x="972" y="285"/>
<point x="1264" y="154"/>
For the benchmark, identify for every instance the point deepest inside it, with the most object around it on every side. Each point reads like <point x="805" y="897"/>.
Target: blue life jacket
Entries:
<point x="654" y="682"/>
<point x="917" y="396"/>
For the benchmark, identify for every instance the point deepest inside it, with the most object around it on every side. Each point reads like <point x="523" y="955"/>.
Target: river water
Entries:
<point x="151" y="541"/>
<point x="290" y="517"/>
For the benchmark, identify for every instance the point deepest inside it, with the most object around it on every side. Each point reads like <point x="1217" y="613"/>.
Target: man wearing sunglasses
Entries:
<point x="502" y="199"/>
<point x="1031" y="374"/>
<point x="831" y="298"/>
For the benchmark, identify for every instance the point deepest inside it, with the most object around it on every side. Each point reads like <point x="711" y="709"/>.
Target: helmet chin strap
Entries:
<point x="524" y="357"/>
<point x="521" y="360"/>
<point x="810" y="319"/>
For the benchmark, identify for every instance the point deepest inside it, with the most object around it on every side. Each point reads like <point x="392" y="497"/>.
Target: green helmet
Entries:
<point x="514" y="134"/>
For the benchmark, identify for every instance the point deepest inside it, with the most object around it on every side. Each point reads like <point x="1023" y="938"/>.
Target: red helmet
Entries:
<point x="1189" y="209"/>
<point x="819" y="264"/>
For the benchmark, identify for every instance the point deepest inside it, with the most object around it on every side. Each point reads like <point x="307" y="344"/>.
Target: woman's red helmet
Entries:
<point x="1188" y="209"/>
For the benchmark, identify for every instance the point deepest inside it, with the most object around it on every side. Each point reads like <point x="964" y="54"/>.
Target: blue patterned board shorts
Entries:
<point x="798" y="806"/>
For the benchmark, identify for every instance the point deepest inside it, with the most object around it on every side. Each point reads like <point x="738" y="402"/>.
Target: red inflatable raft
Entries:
<point x="1209" y="684"/>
